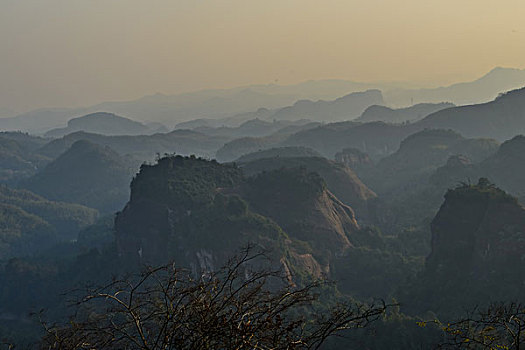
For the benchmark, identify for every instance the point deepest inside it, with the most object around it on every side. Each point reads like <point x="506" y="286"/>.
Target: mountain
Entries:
<point x="39" y="121"/>
<point x="377" y="113"/>
<point x="253" y="128"/>
<point x="143" y="147"/>
<point x="354" y="159"/>
<point x="377" y="139"/>
<point x="422" y="153"/>
<point x="30" y="223"/>
<point x="22" y="233"/>
<point x="505" y="167"/>
<point x="198" y="212"/>
<point x="221" y="104"/>
<point x="340" y="180"/>
<point x="477" y="248"/>
<point x="228" y="122"/>
<point x="18" y="156"/>
<point x="279" y="152"/>
<point x="344" y="108"/>
<point x="298" y="200"/>
<point x="88" y="174"/>
<point x="500" y="119"/>
<point x="239" y="147"/>
<point x="484" y="89"/>
<point x="102" y="123"/>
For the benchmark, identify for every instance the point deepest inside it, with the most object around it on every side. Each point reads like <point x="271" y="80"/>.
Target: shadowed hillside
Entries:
<point x="340" y="180"/>
<point x="410" y="114"/>
<point x="88" y="174"/>
<point x="102" y="123"/>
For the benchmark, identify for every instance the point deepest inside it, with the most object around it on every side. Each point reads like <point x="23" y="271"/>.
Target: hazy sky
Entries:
<point x="80" y="52"/>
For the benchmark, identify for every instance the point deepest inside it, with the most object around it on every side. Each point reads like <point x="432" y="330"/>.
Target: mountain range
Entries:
<point x="217" y="104"/>
<point x="104" y="124"/>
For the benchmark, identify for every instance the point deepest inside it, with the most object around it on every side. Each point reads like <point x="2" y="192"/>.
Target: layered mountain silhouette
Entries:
<point x="279" y="152"/>
<point x="422" y="153"/>
<point x="19" y="157"/>
<point x="484" y="89"/>
<point x="409" y="114"/>
<point x="103" y="123"/>
<point x="344" y="108"/>
<point x="501" y="119"/>
<point x="219" y="104"/>
<point x="31" y="223"/>
<point x="143" y="147"/>
<point x="340" y="180"/>
<point x="88" y="174"/>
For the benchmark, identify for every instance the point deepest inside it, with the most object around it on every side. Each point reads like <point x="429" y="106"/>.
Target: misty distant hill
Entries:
<point x="501" y="119"/>
<point x="505" y="167"/>
<point x="279" y="152"/>
<point x="344" y="108"/>
<point x="484" y="89"/>
<point x="208" y="105"/>
<point x="422" y="153"/>
<point x="254" y="128"/>
<point x="378" y="139"/>
<point x="143" y="147"/>
<point x="19" y="157"/>
<point x="88" y="174"/>
<point x="378" y="113"/>
<point x="347" y="107"/>
<point x="102" y="123"/>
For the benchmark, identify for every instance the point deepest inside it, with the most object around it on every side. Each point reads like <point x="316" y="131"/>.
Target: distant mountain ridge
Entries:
<point x="217" y="104"/>
<point x="488" y="87"/>
<point x="413" y="113"/>
<point x="501" y="119"/>
<point x="102" y="123"/>
<point x="88" y="174"/>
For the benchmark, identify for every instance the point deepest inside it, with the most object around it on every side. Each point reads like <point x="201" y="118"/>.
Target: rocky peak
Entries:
<point x="477" y="226"/>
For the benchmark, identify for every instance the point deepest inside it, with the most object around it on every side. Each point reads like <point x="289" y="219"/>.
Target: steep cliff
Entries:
<point x="200" y="212"/>
<point x="478" y="246"/>
<point x="340" y="180"/>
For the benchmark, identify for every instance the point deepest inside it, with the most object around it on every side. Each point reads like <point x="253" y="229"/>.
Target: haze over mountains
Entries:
<point x="407" y="203"/>
<point x="104" y="124"/>
<point x="220" y="104"/>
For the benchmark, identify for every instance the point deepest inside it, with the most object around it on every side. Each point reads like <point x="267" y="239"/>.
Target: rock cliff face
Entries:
<point x="478" y="247"/>
<point x="340" y="180"/>
<point x="478" y="226"/>
<point x="199" y="213"/>
<point x="302" y="205"/>
<point x="354" y="159"/>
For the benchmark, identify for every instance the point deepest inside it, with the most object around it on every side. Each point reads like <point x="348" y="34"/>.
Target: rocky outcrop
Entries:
<point x="302" y="205"/>
<point x="478" y="247"/>
<point x="477" y="226"/>
<point x="354" y="159"/>
<point x="198" y="213"/>
<point x="340" y="179"/>
<point x="413" y="113"/>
